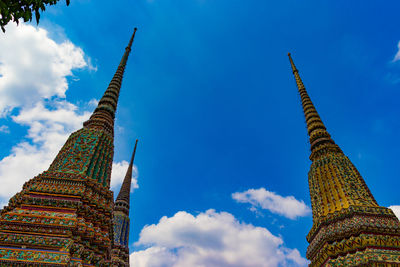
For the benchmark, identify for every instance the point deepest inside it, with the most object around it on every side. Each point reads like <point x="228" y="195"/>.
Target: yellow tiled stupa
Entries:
<point x="349" y="227"/>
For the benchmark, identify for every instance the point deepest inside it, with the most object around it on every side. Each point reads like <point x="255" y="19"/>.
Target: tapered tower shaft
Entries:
<point x="120" y="252"/>
<point x="348" y="224"/>
<point x="320" y="139"/>
<point x="104" y="114"/>
<point x="90" y="150"/>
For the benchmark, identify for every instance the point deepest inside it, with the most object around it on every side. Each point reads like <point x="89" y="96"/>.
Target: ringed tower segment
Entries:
<point x="104" y="114"/>
<point x="63" y="216"/>
<point x="349" y="227"/>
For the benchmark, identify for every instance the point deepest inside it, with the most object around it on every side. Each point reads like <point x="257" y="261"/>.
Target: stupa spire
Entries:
<point x="320" y="139"/>
<point x="65" y="216"/>
<point x="123" y="195"/>
<point x="104" y="114"/>
<point x="348" y="223"/>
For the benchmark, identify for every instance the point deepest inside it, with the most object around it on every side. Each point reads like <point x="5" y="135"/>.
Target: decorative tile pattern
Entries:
<point x="37" y="256"/>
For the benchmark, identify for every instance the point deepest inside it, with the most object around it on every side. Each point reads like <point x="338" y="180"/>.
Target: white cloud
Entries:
<point x="4" y="129"/>
<point x="153" y="257"/>
<point x="396" y="210"/>
<point x="211" y="239"/>
<point x="288" y="207"/>
<point x="33" y="79"/>
<point x="35" y="67"/>
<point x="397" y="56"/>
<point x="118" y="174"/>
<point x="90" y="65"/>
<point x="93" y="102"/>
<point x="33" y="82"/>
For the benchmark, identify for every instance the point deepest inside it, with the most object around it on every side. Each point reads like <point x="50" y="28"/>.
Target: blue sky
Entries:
<point x="209" y="93"/>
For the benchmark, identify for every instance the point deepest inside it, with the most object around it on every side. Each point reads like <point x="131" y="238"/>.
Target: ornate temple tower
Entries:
<point x="349" y="227"/>
<point x="120" y="252"/>
<point x="64" y="215"/>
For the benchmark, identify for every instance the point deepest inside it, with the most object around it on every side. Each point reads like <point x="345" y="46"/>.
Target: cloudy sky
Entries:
<point x="222" y="160"/>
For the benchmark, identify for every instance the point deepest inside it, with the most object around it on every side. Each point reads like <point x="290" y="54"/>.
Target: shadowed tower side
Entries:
<point x="349" y="227"/>
<point x="63" y="216"/>
<point x="120" y="253"/>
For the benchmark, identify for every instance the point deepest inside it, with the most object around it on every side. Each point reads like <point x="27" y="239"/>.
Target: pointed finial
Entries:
<point x="104" y="114"/>
<point x="294" y="69"/>
<point x="131" y="40"/>
<point x="133" y="153"/>
<point x="122" y="201"/>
